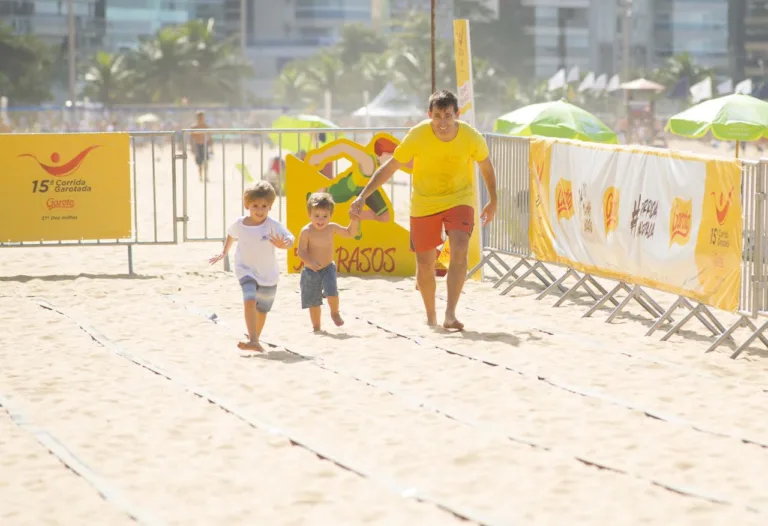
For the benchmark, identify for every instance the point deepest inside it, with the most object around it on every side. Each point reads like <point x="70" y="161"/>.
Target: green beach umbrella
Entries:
<point x="294" y="142"/>
<point x="734" y="117"/>
<point x="555" y="119"/>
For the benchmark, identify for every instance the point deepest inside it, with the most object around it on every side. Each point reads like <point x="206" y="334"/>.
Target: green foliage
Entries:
<point x="26" y="73"/>
<point x="679" y="66"/>
<point x="177" y="62"/>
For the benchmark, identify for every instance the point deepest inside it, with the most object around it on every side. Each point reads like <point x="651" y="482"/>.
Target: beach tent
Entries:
<point x="391" y="103"/>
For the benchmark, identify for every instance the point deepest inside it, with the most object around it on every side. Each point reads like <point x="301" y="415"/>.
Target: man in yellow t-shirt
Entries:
<point x="443" y="150"/>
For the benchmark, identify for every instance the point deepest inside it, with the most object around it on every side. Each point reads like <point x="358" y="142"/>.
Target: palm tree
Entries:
<point x="325" y="73"/>
<point x="357" y="40"/>
<point x="292" y="87"/>
<point x="220" y="69"/>
<point x="164" y="66"/>
<point x="411" y="54"/>
<point x="680" y="66"/>
<point x="376" y="71"/>
<point x="107" y="79"/>
<point x="26" y="67"/>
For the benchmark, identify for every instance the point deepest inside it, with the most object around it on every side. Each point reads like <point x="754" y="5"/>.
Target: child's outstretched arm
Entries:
<point x="303" y="251"/>
<point x="351" y="231"/>
<point x="224" y="252"/>
<point x="282" y="239"/>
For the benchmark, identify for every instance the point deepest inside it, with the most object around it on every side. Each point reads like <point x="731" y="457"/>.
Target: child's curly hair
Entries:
<point x="261" y="190"/>
<point x="321" y="200"/>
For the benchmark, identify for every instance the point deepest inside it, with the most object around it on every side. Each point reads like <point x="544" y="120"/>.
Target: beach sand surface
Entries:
<point x="128" y="401"/>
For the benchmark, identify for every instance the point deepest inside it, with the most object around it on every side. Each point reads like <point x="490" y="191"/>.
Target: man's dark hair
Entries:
<point x="443" y="100"/>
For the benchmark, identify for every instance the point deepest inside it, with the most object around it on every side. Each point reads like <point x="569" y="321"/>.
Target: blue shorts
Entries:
<point x="264" y="296"/>
<point x="316" y="285"/>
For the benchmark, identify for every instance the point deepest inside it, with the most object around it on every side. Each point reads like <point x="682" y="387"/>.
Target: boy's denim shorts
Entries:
<point x="316" y="285"/>
<point x="264" y="296"/>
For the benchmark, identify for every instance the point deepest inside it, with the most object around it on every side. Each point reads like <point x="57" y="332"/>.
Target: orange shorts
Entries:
<point x="427" y="231"/>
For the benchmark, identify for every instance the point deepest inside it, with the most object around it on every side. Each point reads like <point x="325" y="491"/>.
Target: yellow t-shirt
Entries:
<point x="442" y="171"/>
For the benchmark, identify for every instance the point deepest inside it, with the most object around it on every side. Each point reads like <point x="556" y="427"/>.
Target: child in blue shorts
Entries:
<point x="256" y="267"/>
<point x="318" y="277"/>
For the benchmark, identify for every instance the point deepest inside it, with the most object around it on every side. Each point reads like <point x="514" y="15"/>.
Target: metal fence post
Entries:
<point x="760" y="261"/>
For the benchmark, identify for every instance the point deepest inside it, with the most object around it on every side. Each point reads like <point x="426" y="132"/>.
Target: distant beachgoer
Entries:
<point x="200" y="143"/>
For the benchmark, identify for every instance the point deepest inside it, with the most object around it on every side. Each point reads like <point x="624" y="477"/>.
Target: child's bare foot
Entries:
<point x="432" y="320"/>
<point x="452" y="323"/>
<point x="316" y="329"/>
<point x="250" y="346"/>
<point x="336" y="317"/>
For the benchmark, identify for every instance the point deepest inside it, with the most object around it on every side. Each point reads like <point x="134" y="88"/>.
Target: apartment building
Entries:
<point x="47" y="20"/>
<point x="755" y="38"/>
<point x="699" y="27"/>
<point x="129" y="20"/>
<point x="560" y="30"/>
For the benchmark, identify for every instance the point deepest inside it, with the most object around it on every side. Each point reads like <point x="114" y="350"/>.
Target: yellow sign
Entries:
<point x="679" y="231"/>
<point x="65" y="187"/>
<point x="383" y="247"/>
<point x="463" y="57"/>
<point x="719" y="243"/>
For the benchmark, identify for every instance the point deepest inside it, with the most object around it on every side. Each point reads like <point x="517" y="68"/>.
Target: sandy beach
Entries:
<point x="125" y="399"/>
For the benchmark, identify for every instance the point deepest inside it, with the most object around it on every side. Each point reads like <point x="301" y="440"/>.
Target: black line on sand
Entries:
<point x="581" y="391"/>
<point x="391" y="486"/>
<point x="423" y="404"/>
<point x="73" y="463"/>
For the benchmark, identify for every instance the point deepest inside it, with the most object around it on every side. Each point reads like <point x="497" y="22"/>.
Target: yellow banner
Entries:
<point x="668" y="221"/>
<point x="383" y="246"/>
<point x="65" y="187"/>
<point x="463" y="57"/>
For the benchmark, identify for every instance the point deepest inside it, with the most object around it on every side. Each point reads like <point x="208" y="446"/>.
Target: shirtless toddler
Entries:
<point x="318" y="278"/>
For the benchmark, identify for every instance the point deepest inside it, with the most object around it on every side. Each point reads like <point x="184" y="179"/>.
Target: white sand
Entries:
<point x="515" y="443"/>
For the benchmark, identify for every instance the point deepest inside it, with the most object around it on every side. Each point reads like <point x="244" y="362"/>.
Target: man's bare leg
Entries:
<point x="425" y="279"/>
<point x="333" y="303"/>
<point x="457" y="273"/>
<point x="315" y="313"/>
<point x="254" y="321"/>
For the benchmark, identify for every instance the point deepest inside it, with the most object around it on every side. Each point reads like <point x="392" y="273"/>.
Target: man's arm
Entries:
<point x="380" y="176"/>
<point x="489" y="177"/>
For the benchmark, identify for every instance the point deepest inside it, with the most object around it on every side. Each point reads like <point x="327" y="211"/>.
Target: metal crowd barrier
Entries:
<point x="153" y="193"/>
<point x="508" y="236"/>
<point x="243" y="156"/>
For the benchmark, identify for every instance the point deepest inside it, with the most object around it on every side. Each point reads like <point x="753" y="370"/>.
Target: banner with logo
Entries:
<point x="466" y="96"/>
<point x="382" y="247"/>
<point x="665" y="220"/>
<point x="65" y="187"/>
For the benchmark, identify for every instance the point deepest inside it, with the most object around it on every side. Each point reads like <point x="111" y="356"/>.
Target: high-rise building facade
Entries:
<point x="129" y="20"/>
<point x="698" y="27"/>
<point x="755" y="38"/>
<point x="560" y="30"/>
<point x="48" y="20"/>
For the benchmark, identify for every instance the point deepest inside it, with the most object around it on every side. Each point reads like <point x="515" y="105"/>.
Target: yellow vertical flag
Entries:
<point x="463" y="56"/>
